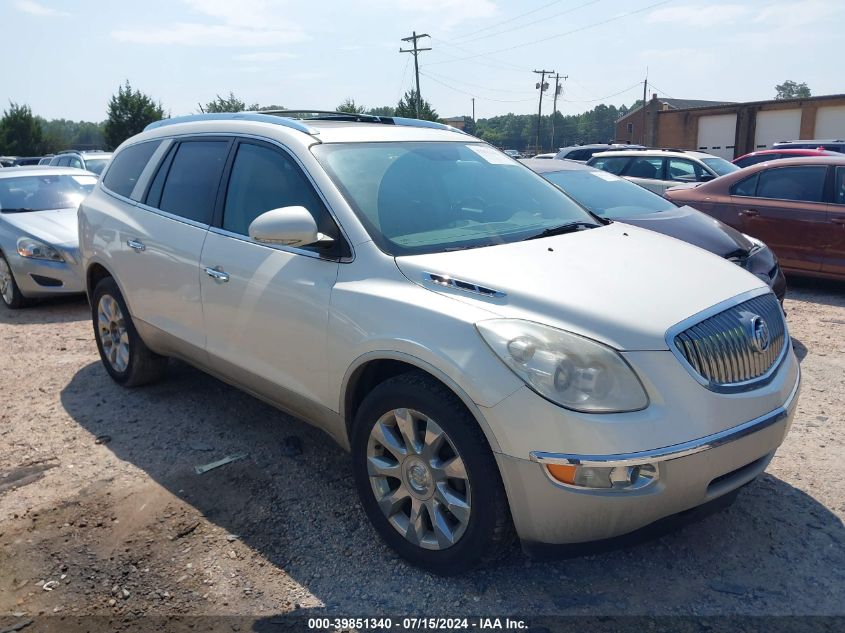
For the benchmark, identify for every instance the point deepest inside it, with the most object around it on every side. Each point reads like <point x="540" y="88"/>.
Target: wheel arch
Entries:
<point x="371" y="369"/>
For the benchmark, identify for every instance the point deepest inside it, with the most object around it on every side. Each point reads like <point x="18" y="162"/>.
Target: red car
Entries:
<point x="773" y="154"/>
<point x="795" y="205"/>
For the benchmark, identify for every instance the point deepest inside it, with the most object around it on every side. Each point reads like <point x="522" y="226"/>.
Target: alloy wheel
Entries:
<point x="419" y="479"/>
<point x="7" y="289"/>
<point x="114" y="337"/>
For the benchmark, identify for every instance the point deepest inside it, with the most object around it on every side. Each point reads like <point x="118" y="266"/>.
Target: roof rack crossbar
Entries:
<point x="257" y="117"/>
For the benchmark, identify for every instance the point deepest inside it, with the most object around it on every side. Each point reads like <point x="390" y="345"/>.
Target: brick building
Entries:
<point x="732" y="129"/>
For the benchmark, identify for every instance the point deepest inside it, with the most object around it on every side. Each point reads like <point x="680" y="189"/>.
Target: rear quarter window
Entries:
<point x="746" y="187"/>
<point x="127" y="166"/>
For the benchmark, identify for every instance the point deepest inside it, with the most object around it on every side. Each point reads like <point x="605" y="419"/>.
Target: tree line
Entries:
<point x="129" y="111"/>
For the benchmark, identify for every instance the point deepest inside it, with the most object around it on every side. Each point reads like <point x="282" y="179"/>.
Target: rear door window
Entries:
<point x="187" y="182"/>
<point x="613" y="164"/>
<point x="127" y="166"/>
<point x="645" y="167"/>
<point x="804" y="183"/>
<point x="839" y="186"/>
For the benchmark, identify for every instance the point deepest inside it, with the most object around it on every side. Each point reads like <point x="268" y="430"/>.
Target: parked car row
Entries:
<point x="498" y="355"/>
<point x="93" y="161"/>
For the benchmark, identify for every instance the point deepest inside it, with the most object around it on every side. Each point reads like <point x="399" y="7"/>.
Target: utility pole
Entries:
<point x="645" y="89"/>
<point x="416" y="51"/>
<point x="473" y="109"/>
<point x="542" y="86"/>
<point x="558" y="89"/>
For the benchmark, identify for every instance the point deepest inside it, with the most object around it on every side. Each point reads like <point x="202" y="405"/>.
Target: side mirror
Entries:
<point x="291" y="226"/>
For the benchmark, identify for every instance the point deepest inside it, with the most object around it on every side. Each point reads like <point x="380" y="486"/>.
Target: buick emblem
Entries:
<point x="760" y="338"/>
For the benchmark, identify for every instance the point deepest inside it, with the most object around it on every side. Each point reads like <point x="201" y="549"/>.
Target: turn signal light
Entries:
<point x="563" y="472"/>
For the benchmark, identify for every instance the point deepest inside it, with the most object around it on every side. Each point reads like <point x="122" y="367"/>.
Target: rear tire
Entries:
<point x="427" y="478"/>
<point x="9" y="291"/>
<point x="125" y="356"/>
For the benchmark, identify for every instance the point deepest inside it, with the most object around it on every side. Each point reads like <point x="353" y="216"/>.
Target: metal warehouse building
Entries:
<point x="732" y="129"/>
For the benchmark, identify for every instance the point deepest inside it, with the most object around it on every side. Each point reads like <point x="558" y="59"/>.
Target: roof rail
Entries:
<point x="355" y="117"/>
<point x="235" y="116"/>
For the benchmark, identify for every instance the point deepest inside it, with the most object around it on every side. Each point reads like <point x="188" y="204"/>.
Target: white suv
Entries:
<point x="497" y="359"/>
<point x="659" y="169"/>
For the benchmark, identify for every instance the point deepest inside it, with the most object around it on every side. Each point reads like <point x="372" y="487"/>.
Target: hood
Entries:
<point x="695" y="227"/>
<point x="56" y="226"/>
<point x="618" y="284"/>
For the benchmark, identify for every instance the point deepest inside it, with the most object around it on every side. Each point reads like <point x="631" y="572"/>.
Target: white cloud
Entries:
<point x="247" y="23"/>
<point x="699" y="15"/>
<point x="792" y="14"/>
<point x="34" y="8"/>
<point x="265" y="56"/>
<point x="448" y="12"/>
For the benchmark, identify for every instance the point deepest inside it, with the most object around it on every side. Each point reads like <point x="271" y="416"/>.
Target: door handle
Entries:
<point x="750" y="213"/>
<point x="217" y="275"/>
<point x="136" y="245"/>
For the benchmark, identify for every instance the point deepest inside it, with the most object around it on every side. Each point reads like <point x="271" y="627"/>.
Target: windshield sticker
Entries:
<point x="605" y="176"/>
<point x="492" y="156"/>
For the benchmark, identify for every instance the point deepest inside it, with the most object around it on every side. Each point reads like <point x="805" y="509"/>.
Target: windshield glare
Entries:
<point x="606" y="195"/>
<point x="428" y="197"/>
<point x="39" y="193"/>
<point x="720" y="165"/>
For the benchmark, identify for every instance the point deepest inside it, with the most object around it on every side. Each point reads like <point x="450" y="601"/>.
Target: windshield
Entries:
<point x="720" y="165"/>
<point x="39" y="193"/>
<point x="96" y="164"/>
<point x="428" y="197"/>
<point x="607" y="195"/>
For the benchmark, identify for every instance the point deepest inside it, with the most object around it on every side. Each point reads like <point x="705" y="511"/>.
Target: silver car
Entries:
<point x="497" y="359"/>
<point x="39" y="244"/>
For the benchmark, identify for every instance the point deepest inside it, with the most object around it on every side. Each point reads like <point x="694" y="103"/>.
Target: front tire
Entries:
<point x="427" y="478"/>
<point x="125" y="356"/>
<point x="9" y="291"/>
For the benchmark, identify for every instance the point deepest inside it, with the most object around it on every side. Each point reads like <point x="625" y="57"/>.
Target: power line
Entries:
<point x="615" y="94"/>
<point x="552" y="37"/>
<point x="516" y="17"/>
<point x="662" y="91"/>
<point x="494" y="63"/>
<point x="527" y="24"/>
<point x="471" y="94"/>
<point x="429" y="74"/>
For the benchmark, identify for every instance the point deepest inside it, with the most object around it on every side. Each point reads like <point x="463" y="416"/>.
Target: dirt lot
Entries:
<point x="122" y="525"/>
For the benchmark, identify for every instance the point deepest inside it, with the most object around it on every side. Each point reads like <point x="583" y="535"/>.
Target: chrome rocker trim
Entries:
<point x="677" y="450"/>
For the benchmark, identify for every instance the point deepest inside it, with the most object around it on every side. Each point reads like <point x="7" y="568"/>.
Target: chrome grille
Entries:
<point x="721" y="348"/>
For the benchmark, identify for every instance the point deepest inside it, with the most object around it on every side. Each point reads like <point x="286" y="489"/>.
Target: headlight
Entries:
<point x="33" y="249"/>
<point x="570" y="370"/>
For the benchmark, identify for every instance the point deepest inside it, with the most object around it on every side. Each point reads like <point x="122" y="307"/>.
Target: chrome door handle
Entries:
<point x="136" y="245"/>
<point x="749" y="212"/>
<point x="217" y="275"/>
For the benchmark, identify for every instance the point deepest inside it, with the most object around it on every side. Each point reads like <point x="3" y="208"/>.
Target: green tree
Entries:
<point x="792" y="90"/>
<point x="129" y="112"/>
<point x="20" y="132"/>
<point x="382" y="111"/>
<point x="407" y="107"/>
<point x="229" y="104"/>
<point x="351" y="107"/>
<point x="259" y="108"/>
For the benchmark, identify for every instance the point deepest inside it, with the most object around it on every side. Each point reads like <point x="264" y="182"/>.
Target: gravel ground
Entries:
<point x="100" y="501"/>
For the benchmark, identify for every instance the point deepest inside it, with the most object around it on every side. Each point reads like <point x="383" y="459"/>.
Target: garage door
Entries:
<point x="830" y="122"/>
<point x="776" y="125"/>
<point x="716" y="134"/>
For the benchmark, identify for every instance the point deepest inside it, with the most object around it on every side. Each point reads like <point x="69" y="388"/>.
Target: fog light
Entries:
<point x="603" y="477"/>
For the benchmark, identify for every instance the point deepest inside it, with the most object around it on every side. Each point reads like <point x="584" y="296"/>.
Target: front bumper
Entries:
<point x="688" y="475"/>
<point x="45" y="278"/>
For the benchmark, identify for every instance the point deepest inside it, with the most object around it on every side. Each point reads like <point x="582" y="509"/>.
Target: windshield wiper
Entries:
<point x="570" y="227"/>
<point x="18" y="210"/>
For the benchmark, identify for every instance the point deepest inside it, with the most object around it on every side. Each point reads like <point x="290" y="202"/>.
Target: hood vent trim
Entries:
<point x="464" y="286"/>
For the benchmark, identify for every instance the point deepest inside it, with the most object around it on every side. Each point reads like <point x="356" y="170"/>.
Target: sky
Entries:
<point x="66" y="58"/>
